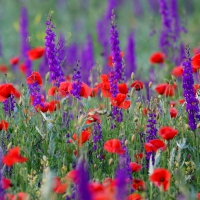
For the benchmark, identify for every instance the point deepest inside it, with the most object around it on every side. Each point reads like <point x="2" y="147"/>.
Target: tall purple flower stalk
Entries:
<point x="43" y="67"/>
<point x="87" y="60"/>
<point x="52" y="52"/>
<point x="166" y="31"/>
<point x="189" y="94"/>
<point x="83" y="190"/>
<point x="2" y="191"/>
<point x="130" y="57"/>
<point x="97" y="136"/>
<point x="151" y="134"/>
<point x="9" y="105"/>
<point x="36" y="94"/>
<point x="76" y="82"/>
<point x="24" y="39"/>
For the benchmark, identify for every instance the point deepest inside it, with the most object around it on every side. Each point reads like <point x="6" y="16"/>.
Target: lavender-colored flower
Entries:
<point x="112" y="5"/>
<point x="121" y="184"/>
<point x="2" y="191"/>
<point x="175" y="20"/>
<point x="56" y="73"/>
<point x="153" y="5"/>
<point x="36" y="93"/>
<point x="130" y="56"/>
<point x="24" y="40"/>
<point x="97" y="133"/>
<point x="76" y="82"/>
<point x="87" y="60"/>
<point x="9" y="105"/>
<point x="71" y="55"/>
<point x="82" y="187"/>
<point x="151" y="134"/>
<point x="165" y="37"/>
<point x="189" y="94"/>
<point x="43" y="68"/>
<point x="137" y="7"/>
<point x="116" y="115"/>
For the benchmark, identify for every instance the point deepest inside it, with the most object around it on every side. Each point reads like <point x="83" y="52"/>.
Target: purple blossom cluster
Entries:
<point x="76" y="82"/>
<point x="2" y="191"/>
<point x="56" y="73"/>
<point x="151" y="134"/>
<point x="189" y="94"/>
<point x="97" y="135"/>
<point x="24" y="40"/>
<point x="36" y="94"/>
<point x="9" y="105"/>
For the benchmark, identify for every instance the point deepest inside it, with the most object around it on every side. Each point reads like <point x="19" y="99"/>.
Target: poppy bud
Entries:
<point x="95" y="165"/>
<point x="132" y="91"/>
<point x="135" y="119"/>
<point x="9" y="145"/>
<point x="126" y="143"/>
<point x="110" y="161"/>
<point x="173" y="78"/>
<point x="187" y="126"/>
<point x="133" y="138"/>
<point x="132" y="76"/>
<point x="44" y="158"/>
<point x="150" y="84"/>
<point x="198" y="125"/>
<point x="47" y="76"/>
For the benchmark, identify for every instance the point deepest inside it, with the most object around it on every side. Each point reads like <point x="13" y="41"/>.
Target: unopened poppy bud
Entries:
<point x="198" y="125"/>
<point x="166" y="81"/>
<point x="101" y="95"/>
<point x="47" y="76"/>
<point x="9" y="145"/>
<point x="173" y="78"/>
<point x="110" y="161"/>
<point x="159" y="96"/>
<point x="133" y="138"/>
<point x="187" y="126"/>
<point x="126" y="142"/>
<point x="95" y="165"/>
<point x="132" y="76"/>
<point x="20" y="101"/>
<point x="132" y="91"/>
<point x="44" y="158"/>
<point x="180" y="118"/>
<point x="80" y="119"/>
<point x="150" y="84"/>
<point x="135" y="119"/>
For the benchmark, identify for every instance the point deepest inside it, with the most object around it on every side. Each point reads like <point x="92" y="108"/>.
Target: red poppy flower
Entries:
<point x="161" y="178"/>
<point x="95" y="91"/>
<point x="33" y="78"/>
<point x="196" y="62"/>
<point x="6" y="90"/>
<point x="22" y="68"/>
<point x="167" y="132"/>
<point x="4" y="125"/>
<point x="166" y="89"/>
<point x="105" y="85"/>
<point x="135" y="167"/>
<point x="44" y="108"/>
<point x="20" y="196"/>
<point x="3" y="68"/>
<point x="154" y="145"/>
<point x="6" y="183"/>
<point x="114" y="146"/>
<point x="52" y="91"/>
<point x="63" y="88"/>
<point x="36" y="53"/>
<point x="84" y="137"/>
<point x="198" y="196"/>
<point x="172" y="104"/>
<point x="144" y="111"/>
<point x="196" y="88"/>
<point x="157" y="58"/>
<point x="123" y="88"/>
<point x="72" y="176"/>
<point x="138" y="184"/>
<point x="177" y="71"/>
<point x="120" y="102"/>
<point x="84" y="92"/>
<point x="13" y="157"/>
<point x="160" y="88"/>
<point x="181" y="101"/>
<point x="54" y="105"/>
<point x="134" y="197"/>
<point x="138" y="85"/>
<point x="14" y="60"/>
<point x="59" y="187"/>
<point x="92" y="117"/>
<point x="138" y="157"/>
<point x="173" y="112"/>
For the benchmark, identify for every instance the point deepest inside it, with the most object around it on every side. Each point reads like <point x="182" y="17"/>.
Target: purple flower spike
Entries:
<point x="189" y="94"/>
<point x="2" y="192"/>
<point x="9" y="105"/>
<point x="52" y="52"/>
<point x="83" y="190"/>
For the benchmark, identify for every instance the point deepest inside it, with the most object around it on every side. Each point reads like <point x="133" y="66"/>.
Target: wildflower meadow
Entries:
<point x="99" y="100"/>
